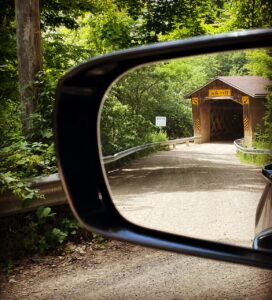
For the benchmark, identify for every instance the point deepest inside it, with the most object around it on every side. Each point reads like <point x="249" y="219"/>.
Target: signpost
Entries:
<point x="161" y="121"/>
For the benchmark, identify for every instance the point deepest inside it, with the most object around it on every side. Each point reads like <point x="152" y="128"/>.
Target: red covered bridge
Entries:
<point x="229" y="107"/>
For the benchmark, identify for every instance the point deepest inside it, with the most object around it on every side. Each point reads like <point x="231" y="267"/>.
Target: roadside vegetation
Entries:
<point x="73" y="32"/>
<point x="256" y="159"/>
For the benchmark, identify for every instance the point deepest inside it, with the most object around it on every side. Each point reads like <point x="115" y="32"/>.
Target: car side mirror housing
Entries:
<point x="78" y="104"/>
<point x="267" y="172"/>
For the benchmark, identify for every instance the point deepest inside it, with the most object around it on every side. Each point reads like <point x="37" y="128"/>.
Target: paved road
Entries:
<point x="201" y="191"/>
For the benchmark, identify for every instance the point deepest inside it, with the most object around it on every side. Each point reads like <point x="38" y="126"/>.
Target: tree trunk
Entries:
<point x="29" y="54"/>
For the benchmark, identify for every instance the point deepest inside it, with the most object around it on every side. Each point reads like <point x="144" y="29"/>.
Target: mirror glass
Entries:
<point x="167" y="138"/>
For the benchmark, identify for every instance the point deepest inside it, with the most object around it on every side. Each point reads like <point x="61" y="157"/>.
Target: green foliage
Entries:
<point x="267" y="132"/>
<point x="263" y="136"/>
<point x="103" y="32"/>
<point x="251" y="13"/>
<point x="8" y="59"/>
<point x="44" y="231"/>
<point x="116" y="30"/>
<point x="159" y="136"/>
<point x="55" y="45"/>
<point x="22" y="160"/>
<point x="129" y="111"/>
<point x="261" y="141"/>
<point x="256" y="159"/>
<point x="19" y="187"/>
<point x="28" y="159"/>
<point x="64" y="13"/>
<point x="121" y="128"/>
<point x="10" y="121"/>
<point x="259" y="62"/>
<point x="155" y="19"/>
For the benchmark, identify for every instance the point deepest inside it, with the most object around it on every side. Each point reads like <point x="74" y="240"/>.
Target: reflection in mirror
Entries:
<point x="167" y="136"/>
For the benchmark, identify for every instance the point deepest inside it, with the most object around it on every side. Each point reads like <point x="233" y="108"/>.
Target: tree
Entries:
<point x="29" y="53"/>
<point x="259" y="62"/>
<point x="252" y="13"/>
<point x="159" y="18"/>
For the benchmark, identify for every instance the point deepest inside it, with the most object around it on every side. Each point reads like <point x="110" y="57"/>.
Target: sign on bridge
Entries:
<point x="219" y="92"/>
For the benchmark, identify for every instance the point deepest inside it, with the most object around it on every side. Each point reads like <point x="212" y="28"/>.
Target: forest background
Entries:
<point x="75" y="31"/>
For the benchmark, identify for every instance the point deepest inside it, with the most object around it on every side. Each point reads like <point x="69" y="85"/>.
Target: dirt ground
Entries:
<point x="124" y="271"/>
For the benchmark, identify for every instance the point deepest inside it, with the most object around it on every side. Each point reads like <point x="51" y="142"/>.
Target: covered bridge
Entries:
<point x="229" y="107"/>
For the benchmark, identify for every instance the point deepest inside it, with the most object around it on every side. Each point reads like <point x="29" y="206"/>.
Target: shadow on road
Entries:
<point x="167" y="172"/>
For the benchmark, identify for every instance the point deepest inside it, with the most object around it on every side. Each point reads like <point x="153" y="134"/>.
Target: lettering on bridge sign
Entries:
<point x="219" y="92"/>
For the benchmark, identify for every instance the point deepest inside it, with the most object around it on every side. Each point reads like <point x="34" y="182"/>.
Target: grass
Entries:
<point x="255" y="159"/>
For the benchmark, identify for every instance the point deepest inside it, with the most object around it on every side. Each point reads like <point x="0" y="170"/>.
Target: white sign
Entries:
<point x="161" y="121"/>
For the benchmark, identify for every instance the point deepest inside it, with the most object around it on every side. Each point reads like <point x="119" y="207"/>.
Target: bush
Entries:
<point x="42" y="232"/>
<point x="158" y="136"/>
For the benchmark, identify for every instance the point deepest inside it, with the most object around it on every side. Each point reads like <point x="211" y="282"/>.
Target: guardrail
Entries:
<point x="117" y="156"/>
<point x="250" y="150"/>
<point x="50" y="186"/>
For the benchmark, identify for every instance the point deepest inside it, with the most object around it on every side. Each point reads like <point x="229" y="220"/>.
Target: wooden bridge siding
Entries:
<point x="196" y="120"/>
<point x="257" y="107"/>
<point x="205" y="118"/>
<point x="247" y="119"/>
<point x="202" y="111"/>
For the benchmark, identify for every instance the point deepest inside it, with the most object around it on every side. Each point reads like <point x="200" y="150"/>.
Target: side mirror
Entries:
<point x="80" y="96"/>
<point x="267" y="172"/>
<point x="263" y="219"/>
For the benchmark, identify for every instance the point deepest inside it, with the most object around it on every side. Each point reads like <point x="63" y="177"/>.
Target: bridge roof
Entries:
<point x="254" y="86"/>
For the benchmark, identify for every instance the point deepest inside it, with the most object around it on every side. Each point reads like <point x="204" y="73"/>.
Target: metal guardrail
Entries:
<point x="250" y="150"/>
<point x="50" y="186"/>
<point x="117" y="156"/>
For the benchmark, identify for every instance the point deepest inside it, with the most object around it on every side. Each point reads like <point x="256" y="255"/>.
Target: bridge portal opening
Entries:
<point x="226" y="120"/>
<point x="229" y="107"/>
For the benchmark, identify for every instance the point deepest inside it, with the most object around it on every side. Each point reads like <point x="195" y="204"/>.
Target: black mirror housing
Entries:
<point x="267" y="172"/>
<point x="77" y="109"/>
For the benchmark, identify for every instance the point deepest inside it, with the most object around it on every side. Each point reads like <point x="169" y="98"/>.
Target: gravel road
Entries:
<point x="201" y="191"/>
